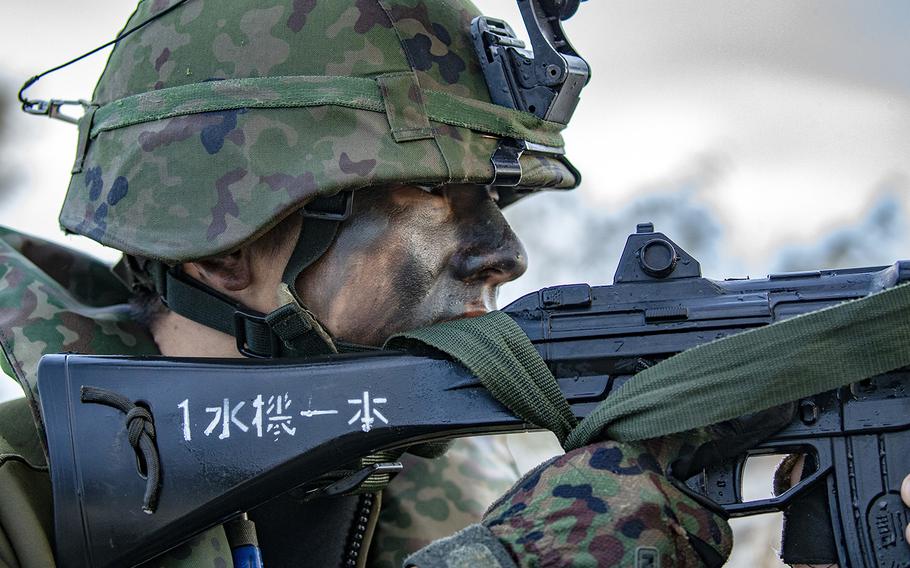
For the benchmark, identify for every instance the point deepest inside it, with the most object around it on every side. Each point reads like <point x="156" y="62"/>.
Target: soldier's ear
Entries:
<point x="229" y="273"/>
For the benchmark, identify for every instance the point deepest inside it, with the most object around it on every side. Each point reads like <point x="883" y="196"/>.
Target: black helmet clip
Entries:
<point x="545" y="81"/>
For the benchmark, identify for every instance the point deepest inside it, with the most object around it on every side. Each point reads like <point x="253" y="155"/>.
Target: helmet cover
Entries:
<point x="219" y="119"/>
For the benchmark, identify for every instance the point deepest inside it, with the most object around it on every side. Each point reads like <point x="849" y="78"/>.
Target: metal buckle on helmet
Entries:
<point x="241" y="317"/>
<point x="506" y="164"/>
<point x="337" y="207"/>
<point x="507" y="160"/>
<point x="52" y="108"/>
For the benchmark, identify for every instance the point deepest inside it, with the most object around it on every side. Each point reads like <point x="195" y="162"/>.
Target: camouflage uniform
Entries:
<point x="218" y="120"/>
<point x="56" y="300"/>
<point x="606" y="504"/>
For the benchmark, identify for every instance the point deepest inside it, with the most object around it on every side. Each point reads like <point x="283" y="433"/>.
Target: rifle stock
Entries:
<point x="232" y="434"/>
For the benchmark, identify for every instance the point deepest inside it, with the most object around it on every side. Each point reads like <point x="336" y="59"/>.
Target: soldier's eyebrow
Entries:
<point x="401" y="206"/>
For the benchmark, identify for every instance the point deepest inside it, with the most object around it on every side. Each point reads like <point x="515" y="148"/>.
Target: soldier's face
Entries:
<point x="407" y="258"/>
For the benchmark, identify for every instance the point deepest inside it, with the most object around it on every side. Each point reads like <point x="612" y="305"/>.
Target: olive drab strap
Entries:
<point x="498" y="352"/>
<point x="369" y="474"/>
<point x="758" y="369"/>
<point x="708" y="384"/>
<point x="305" y="91"/>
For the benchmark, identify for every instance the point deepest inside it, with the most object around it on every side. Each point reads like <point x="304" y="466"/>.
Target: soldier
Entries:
<point x="293" y="178"/>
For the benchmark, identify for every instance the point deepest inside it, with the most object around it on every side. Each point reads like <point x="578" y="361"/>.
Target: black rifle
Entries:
<point x="232" y="434"/>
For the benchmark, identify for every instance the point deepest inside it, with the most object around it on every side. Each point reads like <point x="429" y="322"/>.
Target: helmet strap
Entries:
<point x="291" y="330"/>
<point x="297" y="328"/>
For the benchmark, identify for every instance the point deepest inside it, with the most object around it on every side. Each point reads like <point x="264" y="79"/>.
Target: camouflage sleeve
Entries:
<point x="433" y="498"/>
<point x="473" y="547"/>
<point x="607" y="504"/>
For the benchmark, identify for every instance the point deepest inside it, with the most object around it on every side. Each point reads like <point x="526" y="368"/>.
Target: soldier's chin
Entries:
<point x="473" y="313"/>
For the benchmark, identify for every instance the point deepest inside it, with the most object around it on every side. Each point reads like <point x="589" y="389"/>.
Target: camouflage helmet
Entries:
<point x="219" y="119"/>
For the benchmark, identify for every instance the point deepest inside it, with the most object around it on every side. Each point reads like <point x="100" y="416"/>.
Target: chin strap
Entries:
<point x="292" y="322"/>
<point x="291" y="330"/>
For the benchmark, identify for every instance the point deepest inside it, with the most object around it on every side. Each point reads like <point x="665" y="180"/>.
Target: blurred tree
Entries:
<point x="880" y="236"/>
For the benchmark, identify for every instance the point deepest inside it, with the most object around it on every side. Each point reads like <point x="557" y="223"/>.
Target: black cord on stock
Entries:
<point x="4" y="458"/>
<point x="140" y="427"/>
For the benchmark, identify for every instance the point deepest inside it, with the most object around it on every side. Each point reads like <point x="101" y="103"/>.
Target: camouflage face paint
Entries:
<point x="408" y="258"/>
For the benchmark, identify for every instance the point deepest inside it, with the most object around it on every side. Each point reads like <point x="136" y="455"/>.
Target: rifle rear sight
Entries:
<point x="650" y="256"/>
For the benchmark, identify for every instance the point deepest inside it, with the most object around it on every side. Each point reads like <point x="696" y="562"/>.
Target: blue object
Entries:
<point x="247" y="556"/>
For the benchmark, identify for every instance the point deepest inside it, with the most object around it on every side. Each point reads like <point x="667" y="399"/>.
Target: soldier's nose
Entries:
<point x="494" y="257"/>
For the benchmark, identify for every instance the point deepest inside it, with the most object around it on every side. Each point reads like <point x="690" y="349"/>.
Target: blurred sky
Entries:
<point x="759" y="135"/>
<point x="780" y="123"/>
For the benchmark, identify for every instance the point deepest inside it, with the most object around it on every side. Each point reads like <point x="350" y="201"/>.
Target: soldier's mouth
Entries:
<point x="471" y="313"/>
<point x="474" y="313"/>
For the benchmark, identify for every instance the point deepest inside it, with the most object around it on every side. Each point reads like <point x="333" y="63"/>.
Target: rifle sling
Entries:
<point x="502" y="357"/>
<point x="758" y="369"/>
<point x="711" y="383"/>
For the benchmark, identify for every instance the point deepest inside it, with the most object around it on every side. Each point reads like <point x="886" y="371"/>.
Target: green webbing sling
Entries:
<point x="499" y="353"/>
<point x="711" y="383"/>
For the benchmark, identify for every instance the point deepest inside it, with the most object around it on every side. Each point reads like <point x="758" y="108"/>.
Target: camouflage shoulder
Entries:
<point x="84" y="277"/>
<point x="26" y="522"/>
<point x="433" y="498"/>
<point x="43" y="311"/>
